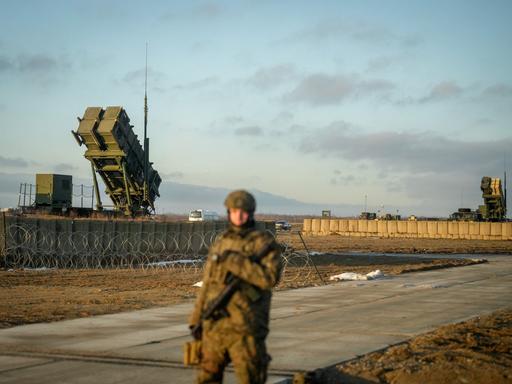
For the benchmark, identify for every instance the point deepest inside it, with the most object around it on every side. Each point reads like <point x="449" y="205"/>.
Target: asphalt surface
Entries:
<point x="310" y="328"/>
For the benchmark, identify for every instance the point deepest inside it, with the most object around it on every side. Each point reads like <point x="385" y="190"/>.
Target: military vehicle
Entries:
<point x="495" y="203"/>
<point x="117" y="156"/>
<point x="368" y="216"/>
<point x="466" y="214"/>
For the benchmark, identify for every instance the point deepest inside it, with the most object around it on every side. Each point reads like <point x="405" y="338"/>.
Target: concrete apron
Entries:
<point x="310" y="328"/>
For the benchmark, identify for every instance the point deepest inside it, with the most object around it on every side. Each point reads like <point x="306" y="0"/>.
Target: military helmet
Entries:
<point x="242" y="200"/>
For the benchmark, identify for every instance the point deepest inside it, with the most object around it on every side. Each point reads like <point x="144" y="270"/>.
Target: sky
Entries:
<point x="396" y="105"/>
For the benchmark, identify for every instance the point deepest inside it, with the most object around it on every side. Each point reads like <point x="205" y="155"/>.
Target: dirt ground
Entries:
<point x="337" y="243"/>
<point x="475" y="351"/>
<point x="479" y="351"/>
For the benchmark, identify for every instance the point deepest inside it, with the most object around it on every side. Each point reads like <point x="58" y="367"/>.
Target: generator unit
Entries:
<point x="53" y="191"/>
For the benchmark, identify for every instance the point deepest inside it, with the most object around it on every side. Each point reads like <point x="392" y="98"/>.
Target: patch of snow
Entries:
<point x="39" y="269"/>
<point x="377" y="274"/>
<point x="174" y="262"/>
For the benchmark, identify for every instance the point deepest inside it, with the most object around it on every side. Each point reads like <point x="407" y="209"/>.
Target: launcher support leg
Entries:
<point x="128" y="210"/>
<point x="99" y="205"/>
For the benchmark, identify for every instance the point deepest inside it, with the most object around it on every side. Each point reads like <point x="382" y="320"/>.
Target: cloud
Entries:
<point x="335" y="29"/>
<point x="13" y="162"/>
<point x="249" y="131"/>
<point x="291" y="132"/>
<point x="197" y="84"/>
<point x="6" y="64"/>
<point x="442" y="91"/>
<point x="137" y="78"/>
<point x="321" y="89"/>
<point x="234" y="119"/>
<point x="498" y="90"/>
<point x="37" y="63"/>
<point x="266" y="78"/>
<point x="65" y="167"/>
<point x="380" y="63"/>
<point x="283" y="116"/>
<point x="409" y="152"/>
<point x="206" y="10"/>
<point x="340" y="179"/>
<point x="483" y="121"/>
<point x="172" y="175"/>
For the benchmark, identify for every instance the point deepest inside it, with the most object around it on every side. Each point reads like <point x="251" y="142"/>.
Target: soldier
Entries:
<point x="239" y="334"/>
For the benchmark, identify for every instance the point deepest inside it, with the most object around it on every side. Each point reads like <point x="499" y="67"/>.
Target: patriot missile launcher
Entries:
<point x="117" y="156"/>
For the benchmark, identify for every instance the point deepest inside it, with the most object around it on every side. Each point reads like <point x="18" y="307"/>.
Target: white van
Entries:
<point x="203" y="215"/>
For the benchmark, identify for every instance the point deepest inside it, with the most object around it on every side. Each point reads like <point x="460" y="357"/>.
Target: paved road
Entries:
<point x="310" y="328"/>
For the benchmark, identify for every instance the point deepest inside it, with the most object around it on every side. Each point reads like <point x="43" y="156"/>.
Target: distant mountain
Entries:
<point x="182" y="198"/>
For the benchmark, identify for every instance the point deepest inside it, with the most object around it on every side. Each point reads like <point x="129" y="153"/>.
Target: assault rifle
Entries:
<point x="217" y="307"/>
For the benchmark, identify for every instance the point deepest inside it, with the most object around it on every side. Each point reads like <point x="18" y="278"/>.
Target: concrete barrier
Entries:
<point x="463" y="230"/>
<point x="442" y="229"/>
<point x="432" y="229"/>
<point x="453" y="229"/>
<point x="372" y="227"/>
<point x="423" y="229"/>
<point x="353" y="226"/>
<point x="495" y="230"/>
<point x="392" y="228"/>
<point x="506" y="231"/>
<point x="343" y="226"/>
<point x="382" y="228"/>
<point x="362" y="226"/>
<point x="402" y="228"/>
<point x="316" y="226"/>
<point x="306" y="226"/>
<point x="485" y="231"/>
<point x="334" y="226"/>
<point x="410" y="229"/>
<point x="325" y="226"/>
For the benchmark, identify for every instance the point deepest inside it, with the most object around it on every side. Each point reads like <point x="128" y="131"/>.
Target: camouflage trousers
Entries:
<point x="248" y="354"/>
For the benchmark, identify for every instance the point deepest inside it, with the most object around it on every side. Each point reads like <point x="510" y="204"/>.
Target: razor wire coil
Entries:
<point x="32" y="247"/>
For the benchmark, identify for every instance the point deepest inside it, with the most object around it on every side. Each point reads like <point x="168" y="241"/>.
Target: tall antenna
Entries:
<point x="146" y="139"/>
<point x="505" y="181"/>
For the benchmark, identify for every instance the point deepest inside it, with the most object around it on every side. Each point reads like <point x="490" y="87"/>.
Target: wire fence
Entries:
<point x="81" y="195"/>
<point x="33" y="247"/>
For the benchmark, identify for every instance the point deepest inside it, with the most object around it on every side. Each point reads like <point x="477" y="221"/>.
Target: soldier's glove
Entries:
<point x="231" y="257"/>
<point x="196" y="331"/>
<point x="223" y="256"/>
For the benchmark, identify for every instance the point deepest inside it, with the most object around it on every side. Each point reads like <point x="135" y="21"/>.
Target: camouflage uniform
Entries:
<point x="240" y="336"/>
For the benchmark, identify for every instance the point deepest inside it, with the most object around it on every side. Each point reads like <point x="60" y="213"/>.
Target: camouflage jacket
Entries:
<point x="248" y="310"/>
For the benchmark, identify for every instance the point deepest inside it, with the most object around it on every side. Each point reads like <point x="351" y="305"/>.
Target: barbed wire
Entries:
<point x="32" y="247"/>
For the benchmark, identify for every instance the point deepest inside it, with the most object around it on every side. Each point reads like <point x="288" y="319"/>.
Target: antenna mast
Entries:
<point x="505" y="182"/>
<point x="146" y="139"/>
